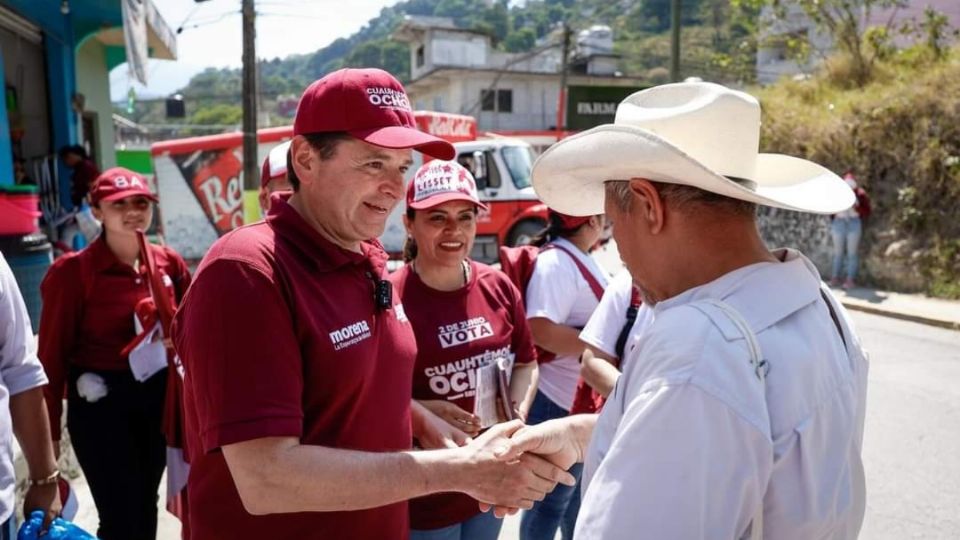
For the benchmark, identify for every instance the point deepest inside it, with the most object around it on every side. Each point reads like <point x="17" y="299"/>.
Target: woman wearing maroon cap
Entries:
<point x="465" y="315"/>
<point x="563" y="291"/>
<point x="88" y="320"/>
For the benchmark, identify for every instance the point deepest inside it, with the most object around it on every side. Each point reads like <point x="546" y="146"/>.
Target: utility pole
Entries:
<point x="675" y="40"/>
<point x="564" y="68"/>
<point x="251" y="172"/>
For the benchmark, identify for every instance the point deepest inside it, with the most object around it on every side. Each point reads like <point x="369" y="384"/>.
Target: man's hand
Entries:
<point x="433" y="432"/>
<point x="45" y="498"/>
<point x="453" y="415"/>
<point x="561" y="442"/>
<point x="492" y="475"/>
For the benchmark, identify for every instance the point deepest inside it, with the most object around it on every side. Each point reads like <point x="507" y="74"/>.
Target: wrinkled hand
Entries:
<point x="45" y="499"/>
<point x="494" y="476"/>
<point x="561" y="442"/>
<point x="453" y="415"/>
<point x="433" y="432"/>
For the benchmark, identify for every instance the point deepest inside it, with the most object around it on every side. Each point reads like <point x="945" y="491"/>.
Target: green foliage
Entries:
<point x="220" y="114"/>
<point x="845" y="22"/>
<point x="936" y="29"/>
<point x="520" y="40"/>
<point x="900" y="133"/>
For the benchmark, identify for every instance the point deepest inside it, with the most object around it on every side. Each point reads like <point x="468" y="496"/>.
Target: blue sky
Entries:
<point x="283" y="27"/>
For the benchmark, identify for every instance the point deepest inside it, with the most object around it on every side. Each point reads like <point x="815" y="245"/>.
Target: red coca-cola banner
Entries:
<point x="448" y="126"/>
<point x="214" y="177"/>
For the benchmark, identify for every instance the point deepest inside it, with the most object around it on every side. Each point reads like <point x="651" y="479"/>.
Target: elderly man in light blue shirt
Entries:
<point x="22" y="410"/>
<point x="741" y="408"/>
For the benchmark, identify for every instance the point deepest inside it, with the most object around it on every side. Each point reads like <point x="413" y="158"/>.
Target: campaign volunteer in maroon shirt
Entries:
<point x="465" y="315"/>
<point x="87" y="321"/>
<point x="299" y="358"/>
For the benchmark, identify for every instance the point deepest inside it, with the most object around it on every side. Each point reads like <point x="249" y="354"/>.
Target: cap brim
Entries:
<point x="404" y="137"/>
<point x="569" y="176"/>
<point x="437" y="200"/>
<point x="125" y="194"/>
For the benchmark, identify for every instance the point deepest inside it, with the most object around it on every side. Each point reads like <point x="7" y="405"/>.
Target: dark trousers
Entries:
<point x="121" y="449"/>
<point x="560" y="507"/>
<point x="8" y="529"/>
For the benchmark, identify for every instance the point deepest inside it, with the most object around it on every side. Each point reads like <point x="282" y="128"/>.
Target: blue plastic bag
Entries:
<point x="59" y="529"/>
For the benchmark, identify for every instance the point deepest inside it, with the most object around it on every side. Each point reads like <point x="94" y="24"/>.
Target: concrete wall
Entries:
<point x="534" y="101"/>
<point x="93" y="81"/>
<point x="809" y="233"/>
<point x="458" y="49"/>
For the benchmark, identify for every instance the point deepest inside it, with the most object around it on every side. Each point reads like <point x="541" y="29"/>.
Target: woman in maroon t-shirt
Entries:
<point x="465" y="316"/>
<point x="89" y="303"/>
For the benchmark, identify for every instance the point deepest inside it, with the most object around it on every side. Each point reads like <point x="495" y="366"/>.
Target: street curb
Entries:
<point x="930" y="321"/>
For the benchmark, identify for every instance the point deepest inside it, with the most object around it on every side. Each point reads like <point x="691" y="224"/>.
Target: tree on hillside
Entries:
<point x="845" y="21"/>
<point x="221" y="114"/>
<point x="520" y="40"/>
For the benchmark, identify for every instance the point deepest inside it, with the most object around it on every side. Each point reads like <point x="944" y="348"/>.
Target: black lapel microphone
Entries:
<point x="383" y="294"/>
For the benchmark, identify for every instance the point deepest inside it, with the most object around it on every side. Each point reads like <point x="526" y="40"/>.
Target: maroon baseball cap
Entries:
<point x="275" y="164"/>
<point x="369" y="104"/>
<point x="569" y="223"/>
<point x="119" y="183"/>
<point x="438" y="182"/>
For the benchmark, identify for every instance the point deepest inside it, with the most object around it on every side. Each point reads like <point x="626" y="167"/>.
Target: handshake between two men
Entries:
<point x="511" y="465"/>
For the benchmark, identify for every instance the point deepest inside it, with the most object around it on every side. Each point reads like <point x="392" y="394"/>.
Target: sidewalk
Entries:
<point x="908" y="307"/>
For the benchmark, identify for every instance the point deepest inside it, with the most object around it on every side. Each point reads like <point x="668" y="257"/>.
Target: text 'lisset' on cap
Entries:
<point x="438" y="182"/>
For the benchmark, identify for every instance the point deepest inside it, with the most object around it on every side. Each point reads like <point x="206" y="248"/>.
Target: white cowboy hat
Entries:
<point x="699" y="134"/>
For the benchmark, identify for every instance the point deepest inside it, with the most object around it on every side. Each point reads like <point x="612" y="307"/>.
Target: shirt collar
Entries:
<point x="763" y="293"/>
<point x="102" y="255"/>
<point x="288" y="224"/>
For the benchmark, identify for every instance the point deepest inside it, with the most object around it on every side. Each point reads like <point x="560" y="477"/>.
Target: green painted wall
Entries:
<point x="93" y="81"/>
<point x="135" y="160"/>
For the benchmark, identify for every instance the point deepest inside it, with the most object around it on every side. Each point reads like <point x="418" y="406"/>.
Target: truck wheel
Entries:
<point x="524" y="232"/>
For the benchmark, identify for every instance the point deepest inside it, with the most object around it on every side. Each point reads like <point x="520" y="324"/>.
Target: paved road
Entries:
<point x="912" y="447"/>
<point x="912" y="439"/>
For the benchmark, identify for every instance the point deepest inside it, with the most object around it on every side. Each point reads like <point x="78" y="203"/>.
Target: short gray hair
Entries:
<point x="680" y="197"/>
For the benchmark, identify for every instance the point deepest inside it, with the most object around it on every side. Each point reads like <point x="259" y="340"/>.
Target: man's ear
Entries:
<point x="647" y="204"/>
<point x="301" y="158"/>
<point x="97" y="213"/>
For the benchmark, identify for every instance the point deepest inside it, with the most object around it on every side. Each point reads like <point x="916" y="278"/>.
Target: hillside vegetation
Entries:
<point x="900" y="134"/>
<point x="717" y="41"/>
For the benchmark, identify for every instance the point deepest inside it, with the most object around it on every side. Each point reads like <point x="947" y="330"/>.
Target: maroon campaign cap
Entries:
<point x="119" y="183"/>
<point x="568" y="222"/>
<point x="438" y="182"/>
<point x="369" y="104"/>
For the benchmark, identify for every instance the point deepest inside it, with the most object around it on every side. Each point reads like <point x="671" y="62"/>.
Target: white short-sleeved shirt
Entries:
<point x="20" y="370"/>
<point x="558" y="291"/>
<point x="692" y="442"/>
<point x="604" y="327"/>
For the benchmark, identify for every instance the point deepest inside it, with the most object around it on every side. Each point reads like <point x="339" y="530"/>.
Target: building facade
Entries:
<point x="56" y="57"/>
<point x="459" y="71"/>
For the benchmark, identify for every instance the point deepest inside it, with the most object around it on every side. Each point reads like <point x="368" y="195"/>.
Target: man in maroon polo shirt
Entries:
<point x="299" y="358"/>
